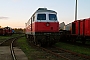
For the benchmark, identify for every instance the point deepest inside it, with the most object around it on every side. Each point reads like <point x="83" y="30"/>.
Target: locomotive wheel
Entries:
<point x="35" y="40"/>
<point x="30" y="38"/>
<point x="38" y="43"/>
<point x="26" y="36"/>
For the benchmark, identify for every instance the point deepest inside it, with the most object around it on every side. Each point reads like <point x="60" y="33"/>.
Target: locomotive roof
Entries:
<point x="44" y="10"/>
<point x="7" y="27"/>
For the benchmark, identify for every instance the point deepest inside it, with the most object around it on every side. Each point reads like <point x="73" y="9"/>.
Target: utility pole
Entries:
<point x="76" y="10"/>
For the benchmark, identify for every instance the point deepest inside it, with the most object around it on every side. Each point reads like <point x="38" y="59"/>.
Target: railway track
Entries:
<point x="62" y="53"/>
<point x="12" y="50"/>
<point x="10" y="43"/>
<point x="66" y="54"/>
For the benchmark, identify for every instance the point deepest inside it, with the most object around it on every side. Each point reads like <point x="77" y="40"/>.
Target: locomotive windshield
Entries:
<point x="41" y="17"/>
<point x="52" y="17"/>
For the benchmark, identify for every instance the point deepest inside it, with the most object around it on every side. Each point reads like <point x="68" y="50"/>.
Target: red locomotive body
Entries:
<point x="8" y="31"/>
<point x="5" y="31"/>
<point x="2" y="31"/>
<point x="43" y="25"/>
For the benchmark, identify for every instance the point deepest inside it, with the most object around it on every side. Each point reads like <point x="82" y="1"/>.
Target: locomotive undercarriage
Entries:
<point x="44" y="39"/>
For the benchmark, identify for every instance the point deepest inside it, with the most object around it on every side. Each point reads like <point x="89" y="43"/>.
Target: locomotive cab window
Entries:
<point x="52" y="17"/>
<point x="41" y="17"/>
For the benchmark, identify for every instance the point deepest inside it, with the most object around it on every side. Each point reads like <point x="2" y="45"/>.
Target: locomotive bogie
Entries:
<point x="44" y="39"/>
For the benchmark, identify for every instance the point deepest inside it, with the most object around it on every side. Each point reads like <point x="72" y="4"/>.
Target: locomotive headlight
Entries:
<point x="47" y="24"/>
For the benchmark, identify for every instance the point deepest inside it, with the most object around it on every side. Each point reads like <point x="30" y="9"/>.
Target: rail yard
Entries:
<point x="37" y="51"/>
<point x="57" y="53"/>
<point x="56" y="30"/>
<point x="44" y="38"/>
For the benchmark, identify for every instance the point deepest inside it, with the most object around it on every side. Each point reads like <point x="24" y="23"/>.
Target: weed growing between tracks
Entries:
<point x="34" y="53"/>
<point x="4" y="37"/>
<point x="74" y="48"/>
<point x="9" y="36"/>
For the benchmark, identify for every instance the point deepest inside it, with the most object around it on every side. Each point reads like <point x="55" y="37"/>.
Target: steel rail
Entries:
<point x="66" y="52"/>
<point x="12" y="50"/>
<point x="54" y="53"/>
<point x="5" y="41"/>
<point x="74" y="53"/>
<point x="11" y="45"/>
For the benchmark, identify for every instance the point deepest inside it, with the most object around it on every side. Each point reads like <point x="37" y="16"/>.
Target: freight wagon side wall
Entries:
<point x="76" y="27"/>
<point x="87" y="27"/>
<point x="82" y="27"/>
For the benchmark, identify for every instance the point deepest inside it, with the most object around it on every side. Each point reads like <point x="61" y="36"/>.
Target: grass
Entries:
<point x="2" y="38"/>
<point x="74" y="48"/>
<point x="22" y="42"/>
<point x="34" y="53"/>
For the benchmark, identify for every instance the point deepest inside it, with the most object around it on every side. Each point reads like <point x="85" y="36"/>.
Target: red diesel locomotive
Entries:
<point x="6" y="31"/>
<point x="43" y="27"/>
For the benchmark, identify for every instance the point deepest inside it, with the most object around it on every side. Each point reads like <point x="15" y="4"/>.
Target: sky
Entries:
<point x="15" y="13"/>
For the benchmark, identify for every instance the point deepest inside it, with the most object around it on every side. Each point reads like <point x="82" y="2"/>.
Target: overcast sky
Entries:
<point x="15" y="13"/>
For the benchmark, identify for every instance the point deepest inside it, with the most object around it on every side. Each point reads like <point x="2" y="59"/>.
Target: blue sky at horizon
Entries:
<point x="15" y="13"/>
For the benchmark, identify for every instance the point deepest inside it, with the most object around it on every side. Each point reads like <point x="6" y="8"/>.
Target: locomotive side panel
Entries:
<point x="46" y="26"/>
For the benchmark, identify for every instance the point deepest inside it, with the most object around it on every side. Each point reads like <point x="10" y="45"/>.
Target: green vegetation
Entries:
<point x="24" y="46"/>
<point x="34" y="53"/>
<point x="9" y="36"/>
<point x="3" y="38"/>
<point x="74" y="48"/>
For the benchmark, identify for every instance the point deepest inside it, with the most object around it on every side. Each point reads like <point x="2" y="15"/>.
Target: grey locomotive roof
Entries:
<point x="44" y="10"/>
